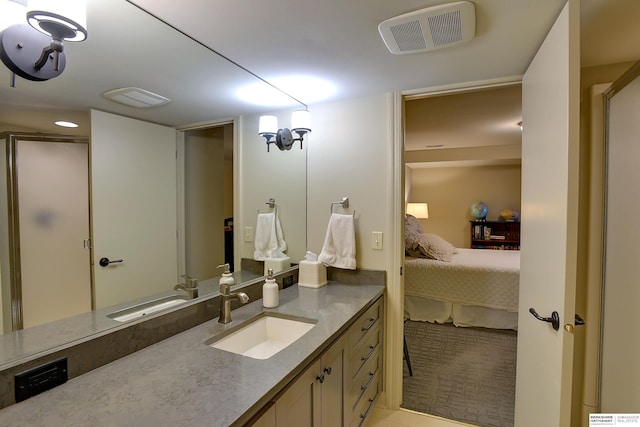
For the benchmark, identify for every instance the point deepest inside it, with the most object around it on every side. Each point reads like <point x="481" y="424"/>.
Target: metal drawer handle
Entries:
<point x="368" y="384"/>
<point x="371" y="350"/>
<point x="372" y="322"/>
<point x="327" y="370"/>
<point x="366" y="414"/>
<point x="320" y="378"/>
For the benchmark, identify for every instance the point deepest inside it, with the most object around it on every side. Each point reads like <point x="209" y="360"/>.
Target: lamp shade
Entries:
<point x="268" y="125"/>
<point x="419" y="210"/>
<point x="301" y="121"/>
<point x="66" y="19"/>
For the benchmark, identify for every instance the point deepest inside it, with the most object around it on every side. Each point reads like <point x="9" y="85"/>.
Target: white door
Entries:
<point x="133" y="173"/>
<point x="549" y="228"/>
<point x="53" y="193"/>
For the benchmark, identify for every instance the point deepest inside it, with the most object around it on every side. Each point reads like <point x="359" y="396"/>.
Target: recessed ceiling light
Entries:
<point x="66" y="124"/>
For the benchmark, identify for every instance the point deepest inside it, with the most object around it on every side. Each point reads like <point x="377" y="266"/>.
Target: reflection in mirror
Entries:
<point x="200" y="85"/>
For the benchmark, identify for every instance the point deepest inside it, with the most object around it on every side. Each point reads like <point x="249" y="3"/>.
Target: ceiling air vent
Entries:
<point x="429" y="29"/>
<point x="136" y="97"/>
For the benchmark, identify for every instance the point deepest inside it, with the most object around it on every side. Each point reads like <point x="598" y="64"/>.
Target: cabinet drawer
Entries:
<point x="364" y="407"/>
<point x="365" y="324"/>
<point x="364" y="380"/>
<point x="365" y="351"/>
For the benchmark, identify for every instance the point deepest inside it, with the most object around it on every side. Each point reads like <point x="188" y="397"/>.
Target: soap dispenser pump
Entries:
<point x="227" y="277"/>
<point x="270" y="295"/>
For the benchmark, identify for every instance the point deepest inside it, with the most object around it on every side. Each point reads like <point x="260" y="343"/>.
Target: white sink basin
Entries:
<point x="146" y="308"/>
<point x="264" y="336"/>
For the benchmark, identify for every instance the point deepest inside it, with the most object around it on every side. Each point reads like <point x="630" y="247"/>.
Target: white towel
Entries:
<point x="268" y="237"/>
<point x="339" y="249"/>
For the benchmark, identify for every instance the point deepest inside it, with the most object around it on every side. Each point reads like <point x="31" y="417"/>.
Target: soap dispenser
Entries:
<point x="227" y="277"/>
<point x="270" y="295"/>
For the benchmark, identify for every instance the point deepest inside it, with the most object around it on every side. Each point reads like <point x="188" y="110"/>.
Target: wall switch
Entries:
<point x="248" y="234"/>
<point x="376" y="240"/>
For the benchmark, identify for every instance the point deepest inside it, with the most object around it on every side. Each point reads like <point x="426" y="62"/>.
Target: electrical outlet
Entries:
<point x="41" y="378"/>
<point x="248" y="234"/>
<point x="376" y="240"/>
<point x="287" y="281"/>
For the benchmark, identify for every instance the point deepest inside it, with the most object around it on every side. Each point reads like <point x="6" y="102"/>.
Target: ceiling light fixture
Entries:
<point x="66" y="124"/>
<point x="39" y="55"/>
<point x="300" y="124"/>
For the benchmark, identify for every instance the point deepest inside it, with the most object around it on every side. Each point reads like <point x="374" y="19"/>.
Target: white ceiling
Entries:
<point x="333" y="40"/>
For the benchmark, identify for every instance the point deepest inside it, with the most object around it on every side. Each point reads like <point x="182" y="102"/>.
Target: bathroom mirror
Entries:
<point x="155" y="57"/>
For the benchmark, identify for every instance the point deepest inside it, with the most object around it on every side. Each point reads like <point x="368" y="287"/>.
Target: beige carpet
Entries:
<point x="464" y="374"/>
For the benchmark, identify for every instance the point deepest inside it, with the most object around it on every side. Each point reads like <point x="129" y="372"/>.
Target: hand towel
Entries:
<point x="339" y="249"/>
<point x="268" y="237"/>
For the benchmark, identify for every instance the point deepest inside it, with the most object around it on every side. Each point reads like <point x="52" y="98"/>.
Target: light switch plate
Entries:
<point x="376" y="240"/>
<point x="248" y="234"/>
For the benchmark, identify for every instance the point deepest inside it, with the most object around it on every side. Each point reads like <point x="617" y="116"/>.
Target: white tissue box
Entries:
<point x="276" y="264"/>
<point x="312" y="274"/>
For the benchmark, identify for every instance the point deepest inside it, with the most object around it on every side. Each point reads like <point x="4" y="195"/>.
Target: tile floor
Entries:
<point x="381" y="417"/>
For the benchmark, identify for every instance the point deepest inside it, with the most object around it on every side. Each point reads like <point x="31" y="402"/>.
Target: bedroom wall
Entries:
<point x="450" y="191"/>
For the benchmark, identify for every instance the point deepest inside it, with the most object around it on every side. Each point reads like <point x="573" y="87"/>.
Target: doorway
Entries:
<point x="208" y="199"/>
<point x="461" y="147"/>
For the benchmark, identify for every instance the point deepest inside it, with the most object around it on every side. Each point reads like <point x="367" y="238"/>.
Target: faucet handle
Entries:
<point x="189" y="281"/>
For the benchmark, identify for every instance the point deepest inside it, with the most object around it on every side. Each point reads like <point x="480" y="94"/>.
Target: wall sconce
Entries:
<point x="419" y="210"/>
<point x="28" y="53"/>
<point x="300" y="124"/>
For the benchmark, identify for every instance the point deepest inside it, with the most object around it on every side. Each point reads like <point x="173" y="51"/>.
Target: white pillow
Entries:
<point x="435" y="247"/>
<point x="412" y="231"/>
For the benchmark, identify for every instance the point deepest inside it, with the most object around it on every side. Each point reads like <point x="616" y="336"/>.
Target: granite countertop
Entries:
<point x="18" y="346"/>
<point x="181" y="381"/>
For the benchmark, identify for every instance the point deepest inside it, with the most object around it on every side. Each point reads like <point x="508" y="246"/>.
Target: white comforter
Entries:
<point x="480" y="277"/>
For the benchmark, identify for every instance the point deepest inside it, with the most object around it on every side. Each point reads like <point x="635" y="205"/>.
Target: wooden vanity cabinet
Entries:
<point x="316" y="397"/>
<point x="340" y="387"/>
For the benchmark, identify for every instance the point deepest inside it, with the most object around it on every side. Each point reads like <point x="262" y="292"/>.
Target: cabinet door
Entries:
<point x="333" y="387"/>
<point x="299" y="406"/>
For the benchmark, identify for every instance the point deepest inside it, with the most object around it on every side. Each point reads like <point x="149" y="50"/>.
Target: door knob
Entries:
<point x="104" y="262"/>
<point x="554" y="319"/>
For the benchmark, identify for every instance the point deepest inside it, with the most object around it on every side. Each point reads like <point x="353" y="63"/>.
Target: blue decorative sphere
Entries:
<point x="479" y="210"/>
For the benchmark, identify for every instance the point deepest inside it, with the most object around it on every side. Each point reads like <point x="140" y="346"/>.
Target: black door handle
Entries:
<point x="554" y="319"/>
<point x="579" y="320"/>
<point x="105" y="261"/>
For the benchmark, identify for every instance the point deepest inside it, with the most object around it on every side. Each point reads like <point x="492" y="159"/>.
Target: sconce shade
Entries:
<point x="62" y="20"/>
<point x="268" y="125"/>
<point x="11" y="13"/>
<point x="419" y="210"/>
<point x="301" y="121"/>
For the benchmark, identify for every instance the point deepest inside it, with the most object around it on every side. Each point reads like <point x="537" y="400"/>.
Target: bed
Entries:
<point x="477" y="287"/>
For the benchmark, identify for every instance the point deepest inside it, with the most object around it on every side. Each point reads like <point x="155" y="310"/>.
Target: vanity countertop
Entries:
<point x="25" y="344"/>
<point x="181" y="381"/>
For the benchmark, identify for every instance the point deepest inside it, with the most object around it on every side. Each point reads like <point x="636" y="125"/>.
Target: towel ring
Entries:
<point x="345" y="204"/>
<point x="272" y="204"/>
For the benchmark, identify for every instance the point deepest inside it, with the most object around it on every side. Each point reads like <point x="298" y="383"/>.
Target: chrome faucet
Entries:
<point x="225" y="301"/>
<point x="190" y="286"/>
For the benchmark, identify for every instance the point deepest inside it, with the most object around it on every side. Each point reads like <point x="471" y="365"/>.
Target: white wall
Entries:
<point x="350" y="152"/>
<point x="277" y="174"/>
